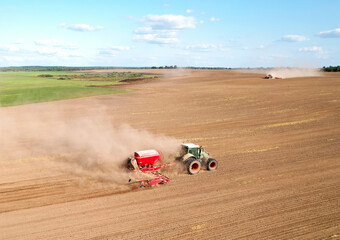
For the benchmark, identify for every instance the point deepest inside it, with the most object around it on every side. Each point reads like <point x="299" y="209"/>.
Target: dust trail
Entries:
<point x="91" y="147"/>
<point x="286" y="72"/>
<point x="294" y="72"/>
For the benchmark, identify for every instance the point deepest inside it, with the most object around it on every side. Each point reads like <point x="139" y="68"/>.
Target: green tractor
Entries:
<point x="194" y="157"/>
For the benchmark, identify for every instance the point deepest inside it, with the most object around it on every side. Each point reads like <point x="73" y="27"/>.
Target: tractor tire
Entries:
<point x="212" y="164"/>
<point x="193" y="166"/>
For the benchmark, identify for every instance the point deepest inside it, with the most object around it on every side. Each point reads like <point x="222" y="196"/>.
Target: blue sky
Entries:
<point x="243" y="33"/>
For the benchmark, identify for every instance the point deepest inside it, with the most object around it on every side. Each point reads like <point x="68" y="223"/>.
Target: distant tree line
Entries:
<point x="331" y="69"/>
<point x="211" y="68"/>
<point x="165" y="67"/>
<point x="64" y="68"/>
<point x="175" y="67"/>
<point x="49" y="68"/>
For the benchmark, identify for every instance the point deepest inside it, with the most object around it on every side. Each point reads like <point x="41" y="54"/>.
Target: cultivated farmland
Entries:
<point x="276" y="140"/>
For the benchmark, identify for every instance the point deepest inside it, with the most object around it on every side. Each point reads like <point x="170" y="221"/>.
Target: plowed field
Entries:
<point x="277" y="142"/>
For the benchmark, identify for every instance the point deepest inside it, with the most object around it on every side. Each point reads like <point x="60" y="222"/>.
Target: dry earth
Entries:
<point x="277" y="142"/>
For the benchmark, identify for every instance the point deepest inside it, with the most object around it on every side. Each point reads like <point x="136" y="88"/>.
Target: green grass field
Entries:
<point x="17" y="88"/>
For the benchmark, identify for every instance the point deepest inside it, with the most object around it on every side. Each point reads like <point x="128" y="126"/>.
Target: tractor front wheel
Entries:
<point x="212" y="164"/>
<point x="193" y="166"/>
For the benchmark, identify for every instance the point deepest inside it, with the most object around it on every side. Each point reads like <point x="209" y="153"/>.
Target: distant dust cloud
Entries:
<point x="287" y="72"/>
<point x="294" y="72"/>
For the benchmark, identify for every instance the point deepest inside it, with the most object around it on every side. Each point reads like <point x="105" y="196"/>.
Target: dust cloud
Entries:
<point x="285" y="72"/>
<point x="93" y="146"/>
<point x="294" y="72"/>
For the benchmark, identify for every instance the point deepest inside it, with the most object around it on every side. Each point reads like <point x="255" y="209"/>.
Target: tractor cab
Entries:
<point x="194" y="149"/>
<point x="193" y="156"/>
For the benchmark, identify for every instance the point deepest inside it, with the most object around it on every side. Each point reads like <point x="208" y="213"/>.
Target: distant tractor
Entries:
<point x="268" y="76"/>
<point x="194" y="157"/>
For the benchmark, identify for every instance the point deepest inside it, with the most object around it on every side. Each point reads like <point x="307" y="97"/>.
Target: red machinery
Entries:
<point x="149" y="161"/>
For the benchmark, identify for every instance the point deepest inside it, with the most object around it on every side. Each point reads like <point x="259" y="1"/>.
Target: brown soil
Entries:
<point x="277" y="143"/>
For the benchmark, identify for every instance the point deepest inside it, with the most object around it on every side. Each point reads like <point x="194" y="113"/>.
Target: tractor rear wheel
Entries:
<point x="193" y="166"/>
<point x="212" y="164"/>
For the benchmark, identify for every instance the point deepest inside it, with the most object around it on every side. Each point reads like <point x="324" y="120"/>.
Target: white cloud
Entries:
<point x="12" y="48"/>
<point x="112" y="51"/>
<point x="168" y="21"/>
<point x="278" y="56"/>
<point x="261" y="46"/>
<point x="84" y="27"/>
<point x="166" y="5"/>
<point x="205" y="47"/>
<point x="330" y="33"/>
<point x="183" y="53"/>
<point x="37" y="55"/>
<point x="54" y="47"/>
<point x="81" y="27"/>
<point x="75" y="54"/>
<point x="49" y="42"/>
<point x="159" y="36"/>
<point x="47" y="50"/>
<point x="9" y="48"/>
<point x="294" y="38"/>
<point x="311" y="49"/>
<point x="52" y="51"/>
<point x="189" y="11"/>
<point x="121" y="48"/>
<point x="162" y="29"/>
<point x="108" y="52"/>
<point x="13" y="59"/>
<point x="55" y="43"/>
<point x="20" y="41"/>
<point x="155" y="38"/>
<point x="318" y="51"/>
<point x="69" y="46"/>
<point x="213" y="19"/>
<point x="161" y="32"/>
